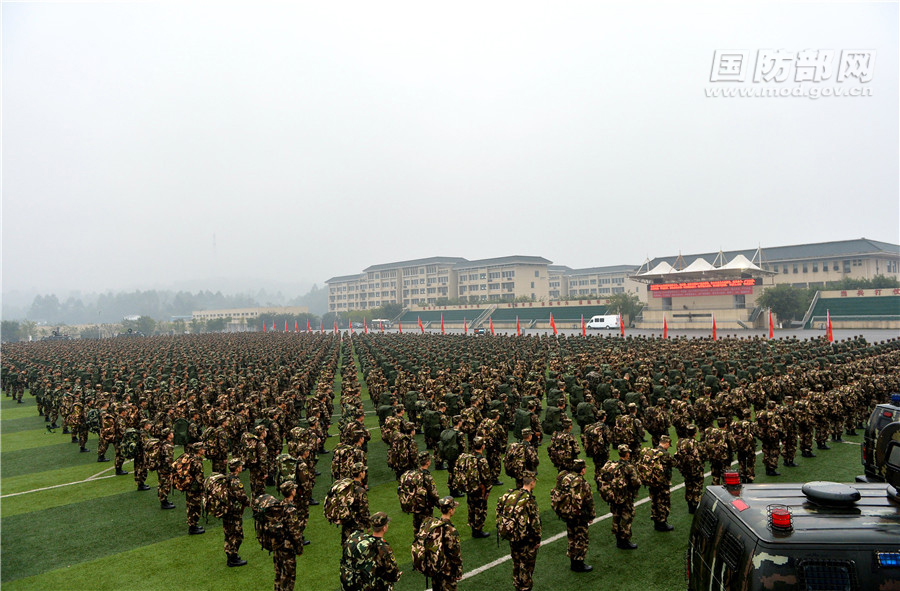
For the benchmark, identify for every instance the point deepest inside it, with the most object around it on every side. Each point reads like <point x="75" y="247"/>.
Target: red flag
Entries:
<point x="365" y="326"/>
<point x="399" y="326"/>
<point x="465" y="327"/>
<point x="285" y="325"/>
<point x="518" y="330"/>
<point x="442" y="323"/>
<point x="335" y="326"/>
<point x="552" y="324"/>
<point x="583" y="327"/>
<point x="621" y="326"/>
<point x="381" y="324"/>
<point x="714" y="327"/>
<point x="321" y="325"/>
<point x="264" y="326"/>
<point x="307" y="325"/>
<point x="273" y="325"/>
<point x="296" y="326"/>
<point x="350" y="325"/>
<point x="829" y="332"/>
<point x="492" y="325"/>
<point x="665" y="328"/>
<point x="419" y="320"/>
<point x="771" y="325"/>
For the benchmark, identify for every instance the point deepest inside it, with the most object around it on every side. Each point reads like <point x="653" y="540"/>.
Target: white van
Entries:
<point x="608" y="321"/>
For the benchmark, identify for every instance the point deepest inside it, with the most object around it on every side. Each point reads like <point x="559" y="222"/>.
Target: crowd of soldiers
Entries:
<point x="482" y="405"/>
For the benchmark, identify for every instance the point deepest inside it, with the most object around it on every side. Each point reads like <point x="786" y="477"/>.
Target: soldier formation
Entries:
<point x="266" y="404"/>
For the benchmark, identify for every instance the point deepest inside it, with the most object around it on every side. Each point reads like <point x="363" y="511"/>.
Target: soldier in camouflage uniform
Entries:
<point x="629" y="430"/>
<point x="658" y="478"/>
<point x="291" y="545"/>
<point x="451" y="548"/>
<point x="619" y="484"/>
<point x="521" y="457"/>
<point x="193" y="494"/>
<point x="477" y="501"/>
<point x="524" y="552"/>
<point x="107" y="431"/>
<point x="742" y="433"/>
<point x="233" y="520"/>
<point x="215" y="442"/>
<point x="689" y="461"/>
<point x="768" y="429"/>
<point x="385" y="571"/>
<point x="719" y="446"/>
<point x="657" y="421"/>
<point x="563" y="449"/>
<point x="426" y="489"/>
<point x="788" y="416"/>
<point x="119" y="422"/>
<point x="164" y="469"/>
<point x="596" y="439"/>
<point x="805" y="423"/>
<point x="256" y="459"/>
<point x="404" y="450"/>
<point x="819" y="405"/>
<point x="577" y="527"/>
<point x="140" y="459"/>
<point x="359" y="506"/>
<point x="78" y="425"/>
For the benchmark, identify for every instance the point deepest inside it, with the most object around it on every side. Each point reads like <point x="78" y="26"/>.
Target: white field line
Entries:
<point x="97" y="476"/>
<point x="563" y="534"/>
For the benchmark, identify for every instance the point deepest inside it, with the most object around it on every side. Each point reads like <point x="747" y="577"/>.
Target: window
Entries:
<point x="805" y="268"/>
<point x="835" y="266"/>
<point x="795" y="268"/>
<point x="815" y="267"/>
<point x="532" y="285"/>
<point x="784" y="269"/>
<point x="494" y="275"/>
<point x="740" y="301"/>
<point x="536" y="274"/>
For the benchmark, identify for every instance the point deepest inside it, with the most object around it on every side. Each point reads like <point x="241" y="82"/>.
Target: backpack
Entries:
<point x="267" y="517"/>
<point x="510" y="512"/>
<point x="181" y="472"/>
<point x="448" y="446"/>
<point x="180" y="428"/>
<point x="358" y="561"/>
<point x="466" y="473"/>
<point x="248" y="448"/>
<point x="514" y="461"/>
<point x="431" y="421"/>
<point x="285" y="468"/>
<point x="152" y="450"/>
<point x="338" y="501"/>
<point x="521" y="421"/>
<point x="427" y="548"/>
<point x="92" y="418"/>
<point x="214" y="442"/>
<point x="452" y="401"/>
<point x="611" y="488"/>
<point x="129" y="443"/>
<point x="216" y="495"/>
<point x="562" y="497"/>
<point x="411" y="492"/>
<point x="584" y="414"/>
<point x="552" y="420"/>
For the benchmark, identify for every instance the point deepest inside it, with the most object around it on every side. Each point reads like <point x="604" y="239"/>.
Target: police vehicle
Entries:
<point x="882" y="428"/>
<point x="818" y="536"/>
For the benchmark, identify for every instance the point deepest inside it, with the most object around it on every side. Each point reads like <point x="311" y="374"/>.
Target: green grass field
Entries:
<point x="101" y="533"/>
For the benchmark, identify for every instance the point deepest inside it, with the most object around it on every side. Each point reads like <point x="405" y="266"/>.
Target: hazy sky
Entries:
<point x="146" y="145"/>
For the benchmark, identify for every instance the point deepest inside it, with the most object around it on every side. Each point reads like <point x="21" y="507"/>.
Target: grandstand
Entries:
<point x="852" y="310"/>
<point x="542" y="314"/>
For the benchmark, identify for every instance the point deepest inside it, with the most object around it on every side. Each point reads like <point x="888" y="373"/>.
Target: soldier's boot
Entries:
<point x="195" y="530"/>
<point x="851" y="433"/>
<point x="625" y="544"/>
<point x="46" y="418"/>
<point x="806" y="453"/>
<point x="318" y="473"/>
<point x="662" y="526"/>
<point x="65" y="430"/>
<point x="579" y="566"/>
<point x="772" y="472"/>
<point x="497" y="482"/>
<point x="121" y="472"/>
<point x="313" y="502"/>
<point x="839" y="437"/>
<point x="457" y="494"/>
<point x="102" y="459"/>
<point x="306" y="542"/>
<point x="141" y="486"/>
<point x="83" y="450"/>
<point x="480" y="533"/>
<point x="791" y="464"/>
<point x="74" y="439"/>
<point x="236" y="560"/>
<point x="440" y="466"/>
<point x="692" y="508"/>
<point x="167" y="504"/>
<point x="822" y="445"/>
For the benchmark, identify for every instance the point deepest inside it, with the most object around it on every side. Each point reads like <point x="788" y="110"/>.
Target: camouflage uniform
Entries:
<point x="255" y="456"/>
<point x="658" y="478"/>
<point x="140" y="461"/>
<point x="477" y="501"/>
<point x="563" y="449"/>
<point x="745" y="446"/>
<point x="233" y="520"/>
<point x="689" y="461"/>
<point x="577" y="527"/>
<point x="107" y="434"/>
<point x="426" y="489"/>
<point x="718" y="444"/>
<point x="451" y="549"/>
<point x="193" y="495"/>
<point x="624" y="484"/>
<point x="359" y="513"/>
<point x="769" y="432"/>
<point x="521" y="457"/>
<point x="596" y="440"/>
<point x="788" y="417"/>
<point x="657" y="421"/>
<point x="819" y="403"/>
<point x="524" y="552"/>
<point x="215" y="442"/>
<point x="805" y="425"/>
<point x="286" y="552"/>
<point x="164" y="470"/>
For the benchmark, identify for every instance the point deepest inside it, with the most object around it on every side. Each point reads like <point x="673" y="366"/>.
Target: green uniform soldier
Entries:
<point x="291" y="545"/>
<point x="477" y="500"/>
<point x="658" y="478"/>
<point x="419" y="486"/>
<point x="619" y="484"/>
<point x="164" y="469"/>
<point x="524" y="551"/>
<point x="689" y="460"/>
<point x="233" y="520"/>
<point x="451" y="548"/>
<point x="582" y="499"/>
<point x="193" y="494"/>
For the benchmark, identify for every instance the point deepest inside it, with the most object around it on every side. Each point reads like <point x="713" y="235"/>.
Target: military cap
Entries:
<point x="665" y="439"/>
<point x="286" y="487"/>
<point x="456" y="419"/>
<point x="788" y="398"/>
<point x="165" y="433"/>
<point x="494" y="414"/>
<point x="623" y="449"/>
<point x="447" y="503"/>
<point x="195" y="447"/>
<point x="526" y="432"/>
<point x="529" y="474"/>
<point x="631" y="405"/>
<point x="358" y="468"/>
<point x="770" y="404"/>
<point x="423" y="457"/>
<point x="235" y="463"/>
<point x="565" y="421"/>
<point x="478" y="442"/>
<point x="260" y="428"/>
<point x="579" y="465"/>
<point x="601" y="413"/>
<point x="380" y="519"/>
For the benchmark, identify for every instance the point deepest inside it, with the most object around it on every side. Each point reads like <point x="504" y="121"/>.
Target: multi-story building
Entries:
<point x="246" y="316"/>
<point x="594" y="282"/>
<point x="503" y="279"/>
